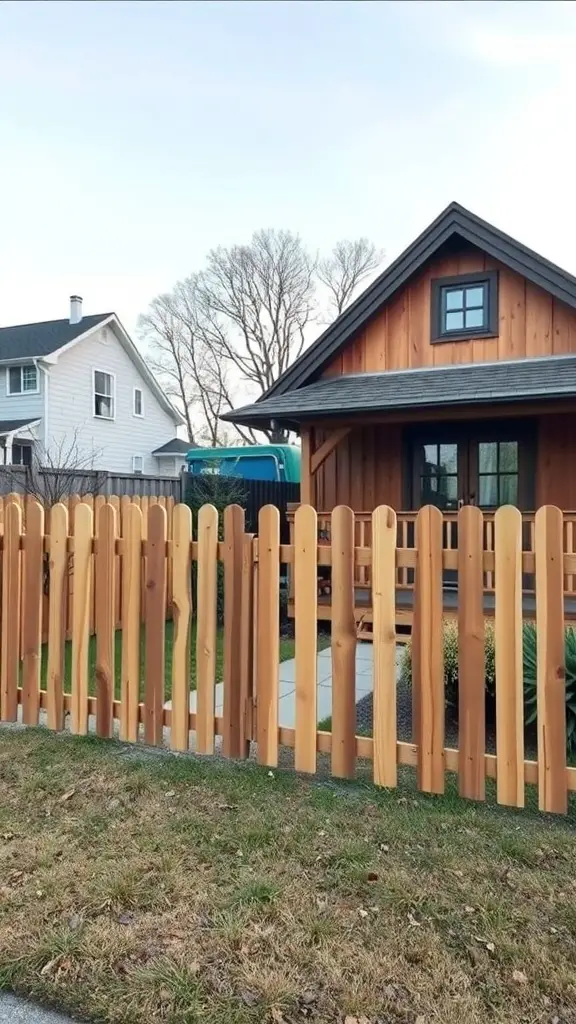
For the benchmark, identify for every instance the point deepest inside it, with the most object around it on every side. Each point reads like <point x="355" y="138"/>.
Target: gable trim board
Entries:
<point x="517" y="380"/>
<point x="455" y="220"/>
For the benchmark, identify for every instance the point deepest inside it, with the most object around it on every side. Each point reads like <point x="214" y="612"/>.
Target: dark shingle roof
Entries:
<point x="32" y="341"/>
<point x="174" y="447"/>
<point x="455" y="222"/>
<point x="9" y="426"/>
<point x="471" y="384"/>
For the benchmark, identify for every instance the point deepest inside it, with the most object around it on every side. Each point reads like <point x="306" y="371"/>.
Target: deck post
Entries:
<point x="305" y="466"/>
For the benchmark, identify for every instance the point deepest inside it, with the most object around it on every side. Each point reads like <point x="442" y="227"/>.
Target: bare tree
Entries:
<point x="57" y="471"/>
<point x="196" y="377"/>
<point x="166" y="331"/>
<point x="231" y="330"/>
<point x="256" y="302"/>
<point x="347" y="266"/>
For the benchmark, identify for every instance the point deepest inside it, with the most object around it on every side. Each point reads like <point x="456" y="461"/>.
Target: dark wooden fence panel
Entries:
<point x="252" y="495"/>
<point x="13" y="480"/>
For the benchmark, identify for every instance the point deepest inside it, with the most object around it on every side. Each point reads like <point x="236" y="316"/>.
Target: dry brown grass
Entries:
<point x="137" y="888"/>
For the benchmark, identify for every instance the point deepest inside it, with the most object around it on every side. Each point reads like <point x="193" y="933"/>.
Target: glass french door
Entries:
<point x="488" y="471"/>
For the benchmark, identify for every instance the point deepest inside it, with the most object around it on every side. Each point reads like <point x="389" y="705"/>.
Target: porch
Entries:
<point x="406" y="564"/>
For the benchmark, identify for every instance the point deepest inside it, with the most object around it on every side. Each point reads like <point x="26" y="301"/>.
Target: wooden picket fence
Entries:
<point x="145" y="556"/>
<point x="120" y="504"/>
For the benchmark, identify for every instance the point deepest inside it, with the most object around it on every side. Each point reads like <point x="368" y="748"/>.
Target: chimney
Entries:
<point x="75" y="309"/>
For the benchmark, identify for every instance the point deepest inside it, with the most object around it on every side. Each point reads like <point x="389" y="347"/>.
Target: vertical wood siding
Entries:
<point x="531" y="323"/>
<point x="364" y="471"/>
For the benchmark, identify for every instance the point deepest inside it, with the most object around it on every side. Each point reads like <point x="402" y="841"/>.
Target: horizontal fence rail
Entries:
<point x="105" y="568"/>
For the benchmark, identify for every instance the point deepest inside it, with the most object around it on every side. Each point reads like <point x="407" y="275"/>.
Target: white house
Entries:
<point x="83" y="381"/>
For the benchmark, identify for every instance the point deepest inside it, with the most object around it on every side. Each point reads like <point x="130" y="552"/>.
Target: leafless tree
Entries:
<point x="256" y="302"/>
<point x="194" y="375"/>
<point x="347" y="266"/>
<point x="55" y="472"/>
<point x="228" y="332"/>
<point x="164" y="327"/>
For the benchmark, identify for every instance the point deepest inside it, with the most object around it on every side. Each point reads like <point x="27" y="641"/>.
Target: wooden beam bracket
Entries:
<point x="327" y="447"/>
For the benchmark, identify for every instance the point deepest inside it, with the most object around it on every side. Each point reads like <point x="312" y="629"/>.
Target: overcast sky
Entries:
<point x="135" y="135"/>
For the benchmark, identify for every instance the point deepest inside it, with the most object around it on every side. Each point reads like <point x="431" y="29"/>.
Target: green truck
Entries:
<point x="251" y="462"/>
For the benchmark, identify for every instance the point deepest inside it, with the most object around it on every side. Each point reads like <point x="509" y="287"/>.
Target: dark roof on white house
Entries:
<point x="33" y="341"/>
<point x="9" y="426"/>
<point x="455" y="224"/>
<point x="176" y="446"/>
<point x="466" y="384"/>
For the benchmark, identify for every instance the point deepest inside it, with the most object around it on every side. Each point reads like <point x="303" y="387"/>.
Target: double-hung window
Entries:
<point x="104" y="397"/>
<point x="22" y="380"/>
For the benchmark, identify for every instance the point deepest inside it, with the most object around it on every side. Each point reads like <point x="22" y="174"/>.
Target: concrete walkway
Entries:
<point x="18" y="1011"/>
<point x="287" y="686"/>
<point x="364" y="684"/>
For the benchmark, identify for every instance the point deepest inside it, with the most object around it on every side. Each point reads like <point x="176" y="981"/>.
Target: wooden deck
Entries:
<point x="405" y="571"/>
<point x="405" y="606"/>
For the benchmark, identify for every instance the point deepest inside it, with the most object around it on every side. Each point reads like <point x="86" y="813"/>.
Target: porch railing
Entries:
<point x="406" y="540"/>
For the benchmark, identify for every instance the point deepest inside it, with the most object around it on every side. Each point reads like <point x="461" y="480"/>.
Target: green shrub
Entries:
<point x="450" y="633"/>
<point x="220" y="491"/>
<point x="530" y="675"/>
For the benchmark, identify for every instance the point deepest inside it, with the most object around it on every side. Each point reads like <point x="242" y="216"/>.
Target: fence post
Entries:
<point x="233" y="737"/>
<point x="268" y="653"/>
<point x="248" y="612"/>
<point x="427" y="652"/>
<point x="182" y="613"/>
<point x="384" y="728"/>
<point x="551" y="668"/>
<point x="11" y="579"/>
<point x="81" y="606"/>
<point x="343" y="644"/>
<point x="105" y="617"/>
<point x="33" y="579"/>
<point x="58" y="574"/>
<point x="508" y="637"/>
<point x="471" y="657"/>
<point x="306" y="631"/>
<point x="206" y="598"/>
<point x="155" y="625"/>
<point x="131" y="599"/>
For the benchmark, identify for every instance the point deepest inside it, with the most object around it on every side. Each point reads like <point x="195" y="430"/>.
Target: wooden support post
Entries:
<point x="305" y="466"/>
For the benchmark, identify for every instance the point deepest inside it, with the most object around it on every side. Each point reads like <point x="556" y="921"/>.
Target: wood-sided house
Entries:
<point x="451" y="380"/>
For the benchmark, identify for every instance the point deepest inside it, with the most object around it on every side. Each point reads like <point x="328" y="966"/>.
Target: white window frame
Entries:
<point x="112" y="396"/>
<point x="28" y="391"/>
<point x="140" y="414"/>
<point x="134" y="470"/>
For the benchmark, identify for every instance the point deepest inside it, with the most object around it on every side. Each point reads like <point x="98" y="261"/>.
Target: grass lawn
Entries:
<point x="286" y="651"/>
<point x="139" y="887"/>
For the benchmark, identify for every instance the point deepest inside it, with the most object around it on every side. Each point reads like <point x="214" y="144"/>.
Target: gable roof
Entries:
<point x="34" y="341"/>
<point x="176" y="446"/>
<point x="545" y="377"/>
<point x="455" y="220"/>
<point x="49" y="339"/>
<point x="12" y="426"/>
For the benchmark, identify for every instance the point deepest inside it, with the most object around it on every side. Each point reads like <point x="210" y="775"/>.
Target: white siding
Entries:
<point x="20" y="407"/>
<point x="71" y="405"/>
<point x="171" y="465"/>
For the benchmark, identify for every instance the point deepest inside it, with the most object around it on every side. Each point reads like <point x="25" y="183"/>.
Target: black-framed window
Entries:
<point x="464" y="307"/>
<point x="438" y="473"/>
<point x="497" y="473"/>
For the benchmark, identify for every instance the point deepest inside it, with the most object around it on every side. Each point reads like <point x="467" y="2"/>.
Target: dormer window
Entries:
<point x="464" y="307"/>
